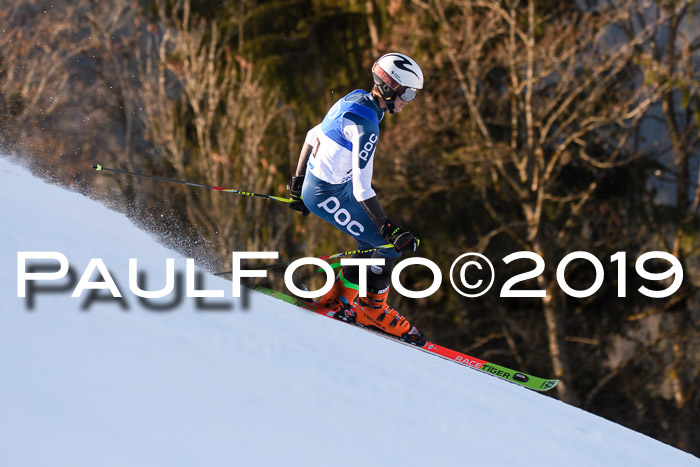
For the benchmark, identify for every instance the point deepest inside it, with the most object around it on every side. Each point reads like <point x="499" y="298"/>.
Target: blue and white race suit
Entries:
<point x="339" y="171"/>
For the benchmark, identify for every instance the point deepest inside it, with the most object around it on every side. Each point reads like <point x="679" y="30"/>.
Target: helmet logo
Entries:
<point x="402" y="63"/>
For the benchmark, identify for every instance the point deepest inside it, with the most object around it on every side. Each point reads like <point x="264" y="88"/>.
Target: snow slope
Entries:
<point x="265" y="385"/>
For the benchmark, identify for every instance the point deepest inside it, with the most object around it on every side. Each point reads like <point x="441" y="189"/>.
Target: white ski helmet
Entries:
<point x="396" y="74"/>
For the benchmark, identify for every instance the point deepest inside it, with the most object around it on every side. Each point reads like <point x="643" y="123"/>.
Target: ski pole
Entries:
<point x="336" y="255"/>
<point x="99" y="168"/>
<point x="348" y="253"/>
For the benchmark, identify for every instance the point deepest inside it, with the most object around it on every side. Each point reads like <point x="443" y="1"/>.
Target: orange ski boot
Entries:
<point x="341" y="288"/>
<point x="375" y="312"/>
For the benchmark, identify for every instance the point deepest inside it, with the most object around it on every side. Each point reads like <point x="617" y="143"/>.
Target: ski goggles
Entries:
<point x="407" y="94"/>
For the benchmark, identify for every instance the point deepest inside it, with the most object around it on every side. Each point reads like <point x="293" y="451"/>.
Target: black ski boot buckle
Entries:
<point x="346" y="312"/>
<point x="415" y="337"/>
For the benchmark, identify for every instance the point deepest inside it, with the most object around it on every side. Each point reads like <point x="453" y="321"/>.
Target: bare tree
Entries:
<point x="670" y="55"/>
<point x="192" y="80"/>
<point x="42" y="45"/>
<point x="544" y="91"/>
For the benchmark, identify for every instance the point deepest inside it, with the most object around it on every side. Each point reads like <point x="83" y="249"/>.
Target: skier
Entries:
<point x="333" y="180"/>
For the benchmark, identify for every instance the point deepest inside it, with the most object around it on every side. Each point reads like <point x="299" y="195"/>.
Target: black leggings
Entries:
<point x="377" y="276"/>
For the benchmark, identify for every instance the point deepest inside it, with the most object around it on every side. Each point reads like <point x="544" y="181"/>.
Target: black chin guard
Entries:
<point x="388" y="94"/>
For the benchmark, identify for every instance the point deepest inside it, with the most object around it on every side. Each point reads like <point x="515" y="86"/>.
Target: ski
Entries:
<point x="517" y="377"/>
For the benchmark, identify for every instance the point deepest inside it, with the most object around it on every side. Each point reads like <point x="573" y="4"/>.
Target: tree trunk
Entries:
<point x="555" y="337"/>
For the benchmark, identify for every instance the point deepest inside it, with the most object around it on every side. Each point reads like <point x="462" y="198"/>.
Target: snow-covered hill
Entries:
<point x="264" y="385"/>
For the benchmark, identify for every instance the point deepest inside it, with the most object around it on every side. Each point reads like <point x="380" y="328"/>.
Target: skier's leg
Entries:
<point x="337" y="205"/>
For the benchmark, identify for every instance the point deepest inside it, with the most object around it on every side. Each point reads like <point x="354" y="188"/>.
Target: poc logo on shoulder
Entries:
<point x="342" y="216"/>
<point x="368" y="148"/>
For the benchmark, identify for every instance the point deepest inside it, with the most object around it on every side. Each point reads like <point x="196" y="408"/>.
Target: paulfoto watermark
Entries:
<point x="49" y="273"/>
<point x="471" y="275"/>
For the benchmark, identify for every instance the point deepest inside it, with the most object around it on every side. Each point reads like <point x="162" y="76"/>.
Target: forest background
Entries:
<point x="544" y="126"/>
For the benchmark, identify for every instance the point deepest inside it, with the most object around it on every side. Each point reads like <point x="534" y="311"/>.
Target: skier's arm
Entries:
<point x="297" y="181"/>
<point x="364" y="137"/>
<point x="306" y="151"/>
<point x="303" y="159"/>
<point x="403" y="240"/>
<point x="374" y="210"/>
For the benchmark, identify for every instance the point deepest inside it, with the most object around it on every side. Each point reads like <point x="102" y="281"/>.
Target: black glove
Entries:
<point x="403" y="240"/>
<point x="294" y="188"/>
